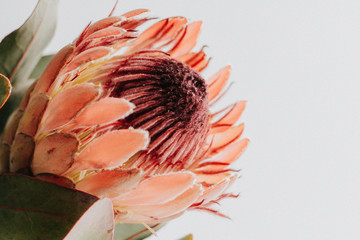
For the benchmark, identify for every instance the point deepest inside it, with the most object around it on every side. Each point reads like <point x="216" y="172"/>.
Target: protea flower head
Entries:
<point x="125" y="115"/>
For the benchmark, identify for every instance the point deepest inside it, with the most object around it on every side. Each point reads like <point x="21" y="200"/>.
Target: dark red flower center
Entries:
<point x="171" y="103"/>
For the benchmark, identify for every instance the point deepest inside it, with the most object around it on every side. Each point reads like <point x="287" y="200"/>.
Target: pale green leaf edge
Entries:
<point x="40" y="66"/>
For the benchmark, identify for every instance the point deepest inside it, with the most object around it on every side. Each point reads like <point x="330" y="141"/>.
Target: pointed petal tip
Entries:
<point x="135" y="12"/>
<point x="246" y="141"/>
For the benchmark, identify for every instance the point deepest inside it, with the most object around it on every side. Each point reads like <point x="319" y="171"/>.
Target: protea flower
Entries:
<point x="134" y="126"/>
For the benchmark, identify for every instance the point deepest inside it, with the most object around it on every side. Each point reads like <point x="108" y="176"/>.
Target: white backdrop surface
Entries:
<point x="297" y="64"/>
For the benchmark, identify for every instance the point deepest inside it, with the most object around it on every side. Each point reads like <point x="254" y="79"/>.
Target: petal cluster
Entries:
<point x="127" y="116"/>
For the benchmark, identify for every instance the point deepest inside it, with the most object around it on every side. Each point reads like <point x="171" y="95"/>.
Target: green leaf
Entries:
<point x="33" y="209"/>
<point x="97" y="223"/>
<point x="187" y="237"/>
<point x="40" y="66"/>
<point x="127" y="231"/>
<point x="21" y="50"/>
<point x="5" y="89"/>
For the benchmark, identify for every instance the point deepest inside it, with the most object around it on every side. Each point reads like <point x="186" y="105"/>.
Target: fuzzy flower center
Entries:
<point x="171" y="103"/>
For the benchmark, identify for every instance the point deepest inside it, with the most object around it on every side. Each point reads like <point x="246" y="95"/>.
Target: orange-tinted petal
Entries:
<point x="159" y="32"/>
<point x="54" y="154"/>
<point x="103" y="111"/>
<point x="111" y="183"/>
<point x="197" y="61"/>
<point x="87" y="56"/>
<point x="157" y="212"/>
<point x="104" y="37"/>
<point x="111" y="150"/>
<point x="172" y="27"/>
<point x="224" y="138"/>
<point x="187" y="41"/>
<point x="218" y="82"/>
<point x="29" y="122"/>
<point x="212" y="192"/>
<point x="226" y="156"/>
<point x="232" y="152"/>
<point x="64" y="106"/>
<point x="109" y="31"/>
<point x="53" y="68"/>
<point x="212" y="178"/>
<point x="134" y="13"/>
<point x="159" y="189"/>
<point x="101" y="24"/>
<point x="231" y="116"/>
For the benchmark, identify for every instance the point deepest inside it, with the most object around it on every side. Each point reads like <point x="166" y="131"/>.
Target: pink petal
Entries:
<point x="134" y="13"/>
<point x="218" y="82"/>
<point x="101" y="24"/>
<point x="188" y="40"/>
<point x="109" y="31"/>
<point x="159" y="189"/>
<point x="87" y="56"/>
<point x="104" y="37"/>
<point x="157" y="212"/>
<point x="233" y="151"/>
<point x="53" y="68"/>
<point x="212" y="178"/>
<point x="226" y="156"/>
<point x="64" y="106"/>
<point x="212" y="192"/>
<point x="54" y="154"/>
<point x="172" y="27"/>
<point x="103" y="111"/>
<point x="111" y="183"/>
<point x="30" y="120"/>
<point x="161" y="31"/>
<point x="231" y="116"/>
<point x="132" y="24"/>
<point x="225" y="138"/>
<point x="111" y="150"/>
<point x="196" y="61"/>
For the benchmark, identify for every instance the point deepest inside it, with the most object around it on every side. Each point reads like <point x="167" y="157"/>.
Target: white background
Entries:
<point x="297" y="63"/>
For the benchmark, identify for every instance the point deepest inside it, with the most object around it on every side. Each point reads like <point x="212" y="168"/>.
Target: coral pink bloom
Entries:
<point x="126" y="116"/>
